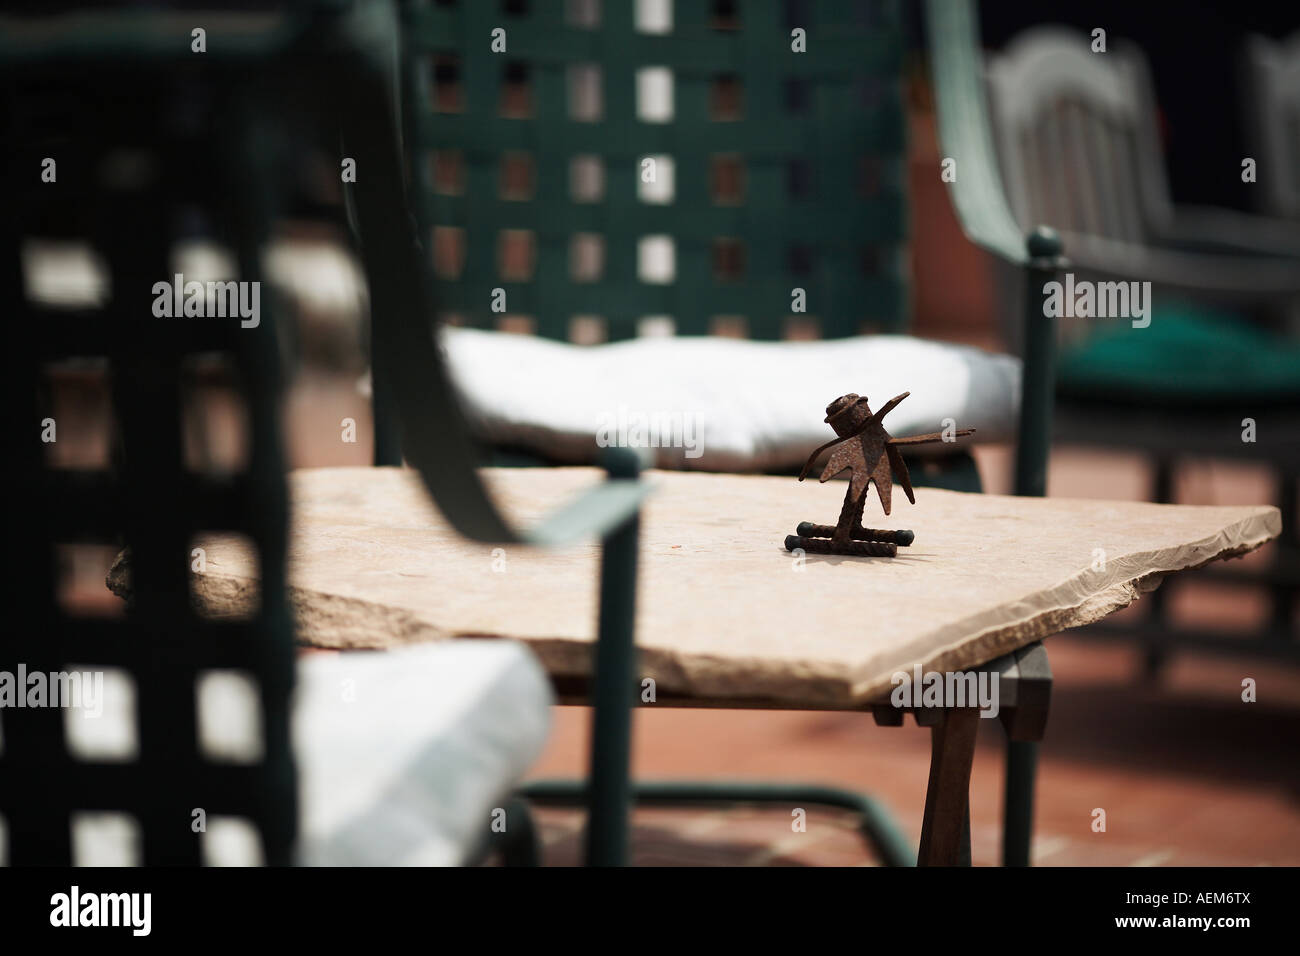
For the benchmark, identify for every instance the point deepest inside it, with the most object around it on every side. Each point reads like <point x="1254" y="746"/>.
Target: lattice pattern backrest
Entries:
<point x="144" y="155"/>
<point x="772" y="169"/>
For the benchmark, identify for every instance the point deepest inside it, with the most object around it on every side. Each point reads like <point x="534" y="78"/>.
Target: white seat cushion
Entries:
<point x="719" y="404"/>
<point x="403" y="755"/>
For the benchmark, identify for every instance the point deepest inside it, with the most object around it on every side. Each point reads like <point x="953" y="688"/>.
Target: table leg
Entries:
<point x="1026" y="696"/>
<point x="945" y="832"/>
<point x="1153" y="652"/>
<point x="1018" y="802"/>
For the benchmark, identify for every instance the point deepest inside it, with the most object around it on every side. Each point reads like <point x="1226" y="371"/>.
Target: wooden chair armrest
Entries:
<point x="1210" y="229"/>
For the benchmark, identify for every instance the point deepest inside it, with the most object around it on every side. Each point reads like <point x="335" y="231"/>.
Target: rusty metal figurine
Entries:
<point x="871" y="453"/>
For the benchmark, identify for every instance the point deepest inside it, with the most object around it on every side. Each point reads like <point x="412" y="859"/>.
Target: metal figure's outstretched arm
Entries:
<point x="887" y="408"/>
<point x="928" y="438"/>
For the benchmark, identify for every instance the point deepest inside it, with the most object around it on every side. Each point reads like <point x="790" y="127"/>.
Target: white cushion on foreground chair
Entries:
<point x="402" y="755"/>
<point x="409" y="770"/>
<point x="720" y="404"/>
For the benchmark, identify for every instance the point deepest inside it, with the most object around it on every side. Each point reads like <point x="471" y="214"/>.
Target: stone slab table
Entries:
<point x="726" y="617"/>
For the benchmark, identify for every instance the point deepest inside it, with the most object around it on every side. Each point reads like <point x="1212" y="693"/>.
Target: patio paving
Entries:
<point x="1186" y="772"/>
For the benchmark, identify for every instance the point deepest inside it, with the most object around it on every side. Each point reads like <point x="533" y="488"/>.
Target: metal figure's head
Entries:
<point x="847" y="413"/>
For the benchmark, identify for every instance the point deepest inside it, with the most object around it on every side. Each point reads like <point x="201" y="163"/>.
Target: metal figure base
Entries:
<point x="865" y="542"/>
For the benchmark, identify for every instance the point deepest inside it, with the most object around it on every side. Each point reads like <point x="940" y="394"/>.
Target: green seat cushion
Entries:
<point x="1187" y="355"/>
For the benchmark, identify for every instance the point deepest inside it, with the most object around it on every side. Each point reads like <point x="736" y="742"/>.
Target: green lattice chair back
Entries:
<point x="584" y="170"/>
<point x="146" y="146"/>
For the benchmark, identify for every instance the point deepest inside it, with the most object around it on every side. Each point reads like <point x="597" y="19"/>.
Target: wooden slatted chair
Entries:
<point x="1274" y="95"/>
<point x="1078" y="139"/>
<point x="1078" y="142"/>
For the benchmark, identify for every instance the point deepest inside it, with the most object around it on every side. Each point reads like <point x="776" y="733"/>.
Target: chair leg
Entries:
<point x="1154" y="653"/>
<point x="388" y="443"/>
<point x="1018" y="802"/>
<point x="955" y="473"/>
<point x="519" y="844"/>
<point x="1038" y="375"/>
<point x="1285" y="595"/>
<point x="612" y="688"/>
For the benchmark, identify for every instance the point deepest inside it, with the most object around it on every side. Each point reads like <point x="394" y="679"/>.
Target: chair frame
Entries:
<point x="405" y="348"/>
<point x="148" y="500"/>
<point x="1205" y="254"/>
<point x="1046" y="90"/>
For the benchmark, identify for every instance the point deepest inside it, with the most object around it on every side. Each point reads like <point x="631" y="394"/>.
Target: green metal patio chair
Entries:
<point x="121" y="104"/>
<point x="154" y="144"/>
<point x="531" y="128"/>
<point x="493" y="153"/>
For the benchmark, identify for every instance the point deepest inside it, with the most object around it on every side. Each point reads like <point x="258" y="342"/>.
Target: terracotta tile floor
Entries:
<point x="1186" y="772"/>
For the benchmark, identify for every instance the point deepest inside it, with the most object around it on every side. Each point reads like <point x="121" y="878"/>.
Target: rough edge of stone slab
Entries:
<point x="346" y="623"/>
<point x="994" y="641"/>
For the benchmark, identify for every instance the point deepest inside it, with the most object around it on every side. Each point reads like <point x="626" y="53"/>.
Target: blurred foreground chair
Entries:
<point x="97" y="131"/>
<point x="1211" y="370"/>
<point x="131" y="140"/>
